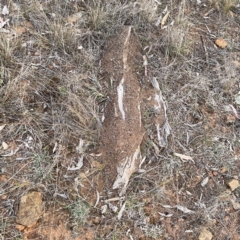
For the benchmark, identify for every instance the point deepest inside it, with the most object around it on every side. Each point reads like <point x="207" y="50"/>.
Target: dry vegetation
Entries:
<point x="50" y="115"/>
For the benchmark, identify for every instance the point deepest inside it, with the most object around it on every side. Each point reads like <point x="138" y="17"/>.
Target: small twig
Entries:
<point x="114" y="199"/>
<point x="205" y="49"/>
<point x="210" y="11"/>
<point x="149" y="50"/>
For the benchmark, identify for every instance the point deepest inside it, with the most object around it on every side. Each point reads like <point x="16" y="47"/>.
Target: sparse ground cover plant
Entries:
<point x="51" y="105"/>
<point x="79" y="211"/>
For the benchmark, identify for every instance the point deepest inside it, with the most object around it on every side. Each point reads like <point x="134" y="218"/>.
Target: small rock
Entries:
<point x="221" y="43"/>
<point x="236" y="205"/>
<point x="233" y="184"/>
<point x="223" y="170"/>
<point x="205" y="235"/>
<point x="30" y="209"/>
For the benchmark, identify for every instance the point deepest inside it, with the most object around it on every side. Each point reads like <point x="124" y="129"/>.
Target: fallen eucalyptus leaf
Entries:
<point x="165" y="215"/>
<point x="205" y="181"/>
<point x="164" y="19"/>
<point x="167" y="206"/>
<point x="5" y="10"/>
<point x="98" y="197"/>
<point x="235" y="111"/>
<point x="121" y="211"/>
<point x="2" y="127"/>
<point x="183" y="157"/>
<point x="79" y="148"/>
<point x="95" y="154"/>
<point x="103" y="209"/>
<point x="184" y="209"/>
<point x="2" y="24"/>
<point x="79" y="165"/>
<point x="5" y="145"/>
<point x="62" y="195"/>
<point x="55" y="147"/>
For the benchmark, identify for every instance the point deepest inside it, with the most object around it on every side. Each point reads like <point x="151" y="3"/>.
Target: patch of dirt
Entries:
<point x="54" y="226"/>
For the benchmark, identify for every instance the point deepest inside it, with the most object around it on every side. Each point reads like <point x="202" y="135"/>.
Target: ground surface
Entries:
<point x="51" y="98"/>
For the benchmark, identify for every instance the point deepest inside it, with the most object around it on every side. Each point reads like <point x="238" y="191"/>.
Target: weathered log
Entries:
<point x="123" y="130"/>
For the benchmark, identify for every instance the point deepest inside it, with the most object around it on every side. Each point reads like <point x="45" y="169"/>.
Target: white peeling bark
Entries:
<point x="125" y="169"/>
<point x="120" y="92"/>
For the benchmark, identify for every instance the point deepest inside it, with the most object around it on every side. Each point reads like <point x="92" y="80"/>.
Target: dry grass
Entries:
<point x="51" y="97"/>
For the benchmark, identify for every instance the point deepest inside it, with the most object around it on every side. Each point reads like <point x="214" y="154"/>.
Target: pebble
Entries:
<point x="233" y="184"/>
<point x="205" y="235"/>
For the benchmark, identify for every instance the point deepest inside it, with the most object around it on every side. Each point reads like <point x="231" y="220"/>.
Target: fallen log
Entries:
<point x="128" y="98"/>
